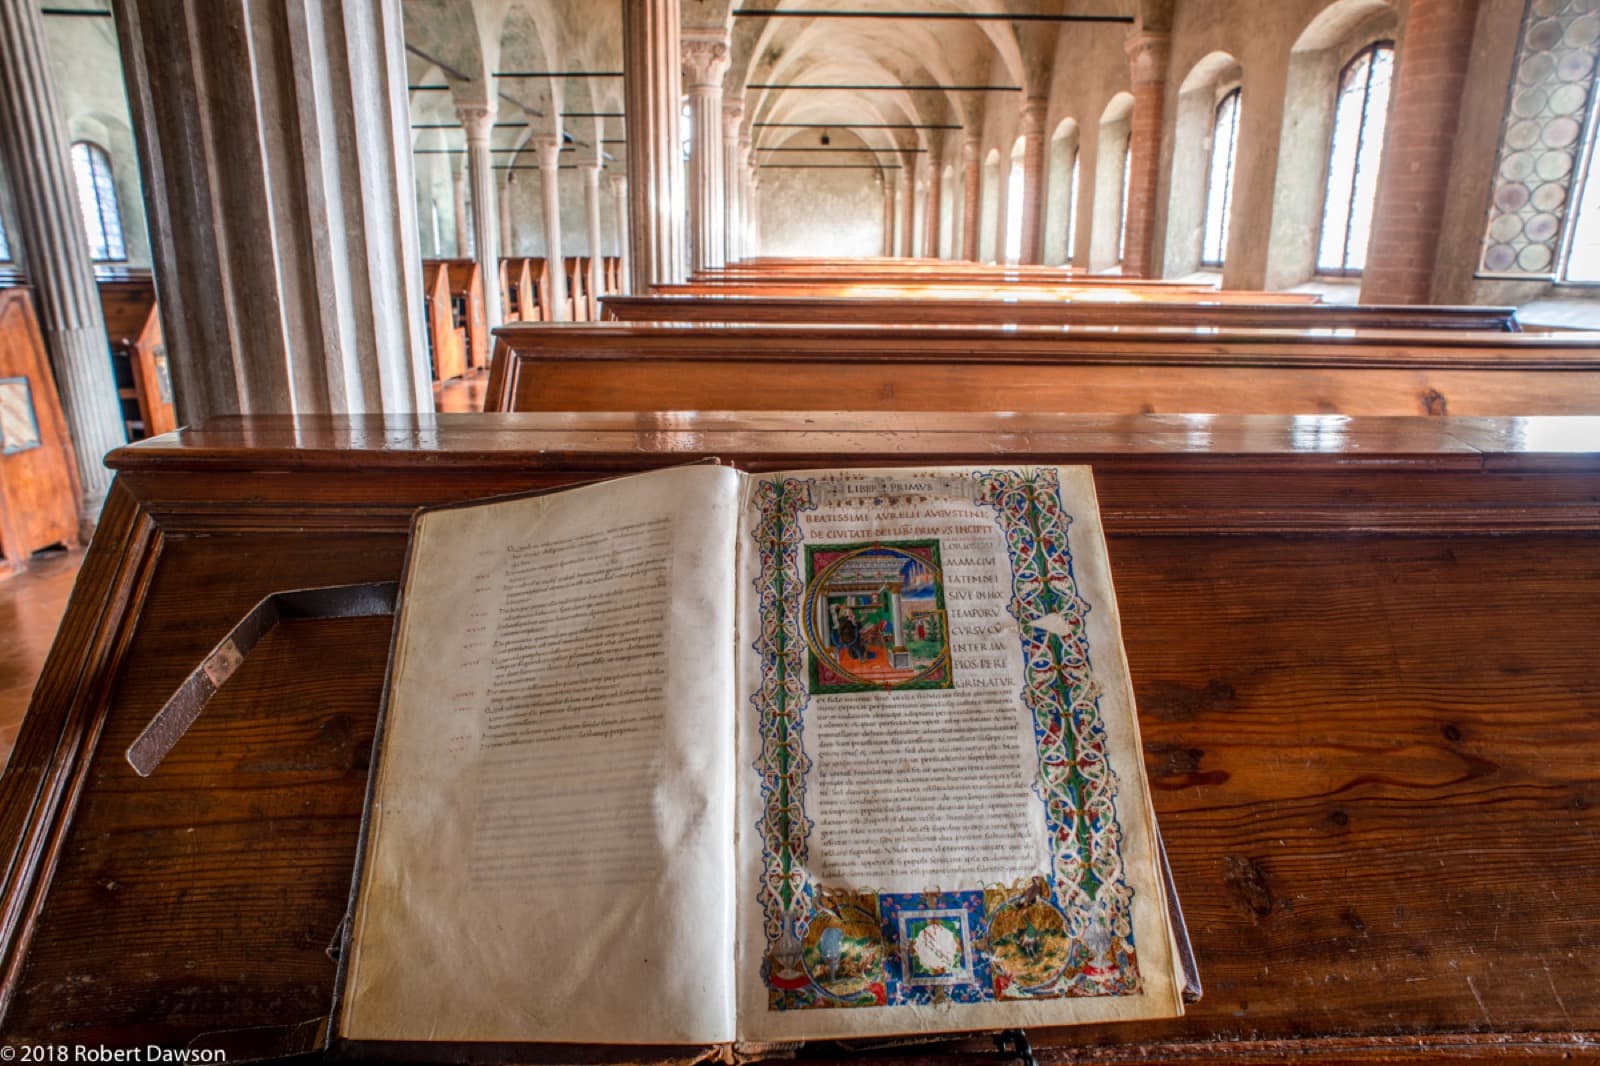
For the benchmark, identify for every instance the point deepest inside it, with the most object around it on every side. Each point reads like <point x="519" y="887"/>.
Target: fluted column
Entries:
<point x="619" y="199"/>
<point x="1032" y="126"/>
<point x="755" y="211"/>
<point x="506" y="243"/>
<point x="705" y="60"/>
<point x="651" y="88"/>
<point x="908" y="207"/>
<point x="970" y="181"/>
<point x="33" y="144"/>
<point x="930" y="214"/>
<point x="458" y="181"/>
<point x="549" y="148"/>
<point x="276" y="155"/>
<point x="732" y="184"/>
<point x="478" y="122"/>
<point x="1147" y="54"/>
<point x="747" y="171"/>
<point x="591" y="206"/>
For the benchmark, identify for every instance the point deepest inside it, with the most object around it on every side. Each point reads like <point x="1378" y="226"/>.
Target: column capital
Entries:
<point x="970" y="143"/>
<point x="705" y="58"/>
<point x="1033" y="112"/>
<point x="618" y="183"/>
<point x="591" y="172"/>
<point x="1148" y="54"/>
<point x="732" y="119"/>
<point x="477" y="120"/>
<point x="548" y="145"/>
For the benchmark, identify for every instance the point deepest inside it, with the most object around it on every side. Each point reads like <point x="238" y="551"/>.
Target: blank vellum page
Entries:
<point x="944" y="822"/>
<point x="549" y="856"/>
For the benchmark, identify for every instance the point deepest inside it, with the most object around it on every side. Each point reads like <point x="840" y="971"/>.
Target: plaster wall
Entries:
<point x="527" y="212"/>
<point x="821" y="212"/>
<point x="87" y="65"/>
<point x="1091" y="66"/>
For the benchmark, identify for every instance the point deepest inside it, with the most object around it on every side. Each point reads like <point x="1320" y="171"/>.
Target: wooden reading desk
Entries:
<point x="1363" y="653"/>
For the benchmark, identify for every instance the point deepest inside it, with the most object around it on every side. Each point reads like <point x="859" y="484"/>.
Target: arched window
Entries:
<point x="5" y="245"/>
<point x="97" y="200"/>
<point x="1219" y="181"/>
<point x="1072" y="212"/>
<point x="1122" y="214"/>
<point x="1014" y="213"/>
<point x="1583" y="240"/>
<point x="1360" y="113"/>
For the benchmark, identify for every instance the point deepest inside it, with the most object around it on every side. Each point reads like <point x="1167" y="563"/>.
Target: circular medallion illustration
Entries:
<point x="843" y="951"/>
<point x="874" y="617"/>
<point x="1028" y="942"/>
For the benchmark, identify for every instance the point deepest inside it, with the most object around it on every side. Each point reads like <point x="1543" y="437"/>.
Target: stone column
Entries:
<point x="619" y="200"/>
<point x="732" y="184"/>
<point x="458" y="180"/>
<point x="889" y="185"/>
<point x="754" y="231"/>
<point x="549" y="148"/>
<point x="1147" y="54"/>
<point x="33" y="144"/>
<point x="276" y="156"/>
<point x="970" y="182"/>
<point x="705" y="60"/>
<point x="651" y="90"/>
<point x="1429" y="79"/>
<point x="478" y="122"/>
<point x="506" y="243"/>
<point x="908" y="206"/>
<point x="1032" y="126"/>
<point x="591" y="206"/>
<point x="747" y="172"/>
<point x="930" y="220"/>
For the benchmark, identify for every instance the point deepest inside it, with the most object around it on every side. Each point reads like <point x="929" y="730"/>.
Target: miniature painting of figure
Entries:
<point x="875" y="617"/>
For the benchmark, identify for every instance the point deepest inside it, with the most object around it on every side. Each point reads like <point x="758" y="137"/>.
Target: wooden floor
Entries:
<point x="31" y="603"/>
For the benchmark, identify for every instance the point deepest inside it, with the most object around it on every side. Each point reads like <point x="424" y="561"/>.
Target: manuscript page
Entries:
<point x="550" y="855"/>
<point x="943" y="816"/>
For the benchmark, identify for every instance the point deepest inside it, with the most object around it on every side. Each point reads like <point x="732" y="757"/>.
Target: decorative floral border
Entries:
<point x="1087" y="883"/>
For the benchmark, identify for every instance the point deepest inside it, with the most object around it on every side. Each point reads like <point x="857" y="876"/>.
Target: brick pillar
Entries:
<point x="930" y="222"/>
<point x="888" y="212"/>
<point x="908" y="207"/>
<point x="1032" y="125"/>
<point x="969" y="197"/>
<point x="1429" y="79"/>
<point x="1147" y="55"/>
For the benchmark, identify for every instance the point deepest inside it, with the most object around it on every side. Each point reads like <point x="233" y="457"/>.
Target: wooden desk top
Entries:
<point x="1362" y="650"/>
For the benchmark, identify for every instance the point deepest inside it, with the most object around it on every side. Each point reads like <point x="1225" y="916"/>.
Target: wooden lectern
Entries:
<point x="1362" y="649"/>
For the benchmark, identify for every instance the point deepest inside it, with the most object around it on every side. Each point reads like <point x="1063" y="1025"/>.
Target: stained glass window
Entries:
<point x="1360" y="114"/>
<point x="1219" y="182"/>
<point x="97" y="201"/>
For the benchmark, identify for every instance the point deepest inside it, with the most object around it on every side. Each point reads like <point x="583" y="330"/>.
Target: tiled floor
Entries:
<point x="32" y="602"/>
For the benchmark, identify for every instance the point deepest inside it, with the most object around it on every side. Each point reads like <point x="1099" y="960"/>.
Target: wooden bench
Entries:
<point x="1362" y="651"/>
<point x="900" y="289"/>
<point x="865" y="310"/>
<point x="517" y="301"/>
<point x="466" y="297"/>
<point x="138" y="356"/>
<point x="39" y="487"/>
<point x="447" y="339"/>
<point x="686" y="366"/>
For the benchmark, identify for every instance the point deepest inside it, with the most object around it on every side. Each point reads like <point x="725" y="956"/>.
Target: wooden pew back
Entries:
<point x="684" y="366"/>
<point x="138" y="355"/>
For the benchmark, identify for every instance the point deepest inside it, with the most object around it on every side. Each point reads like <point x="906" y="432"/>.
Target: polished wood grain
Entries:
<point x="1361" y="648"/>
<point x="1079" y="369"/>
<point x="38" y="484"/>
<point x="976" y="311"/>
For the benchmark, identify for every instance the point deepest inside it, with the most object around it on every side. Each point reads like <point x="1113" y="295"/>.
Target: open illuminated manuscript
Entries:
<point x="698" y="757"/>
